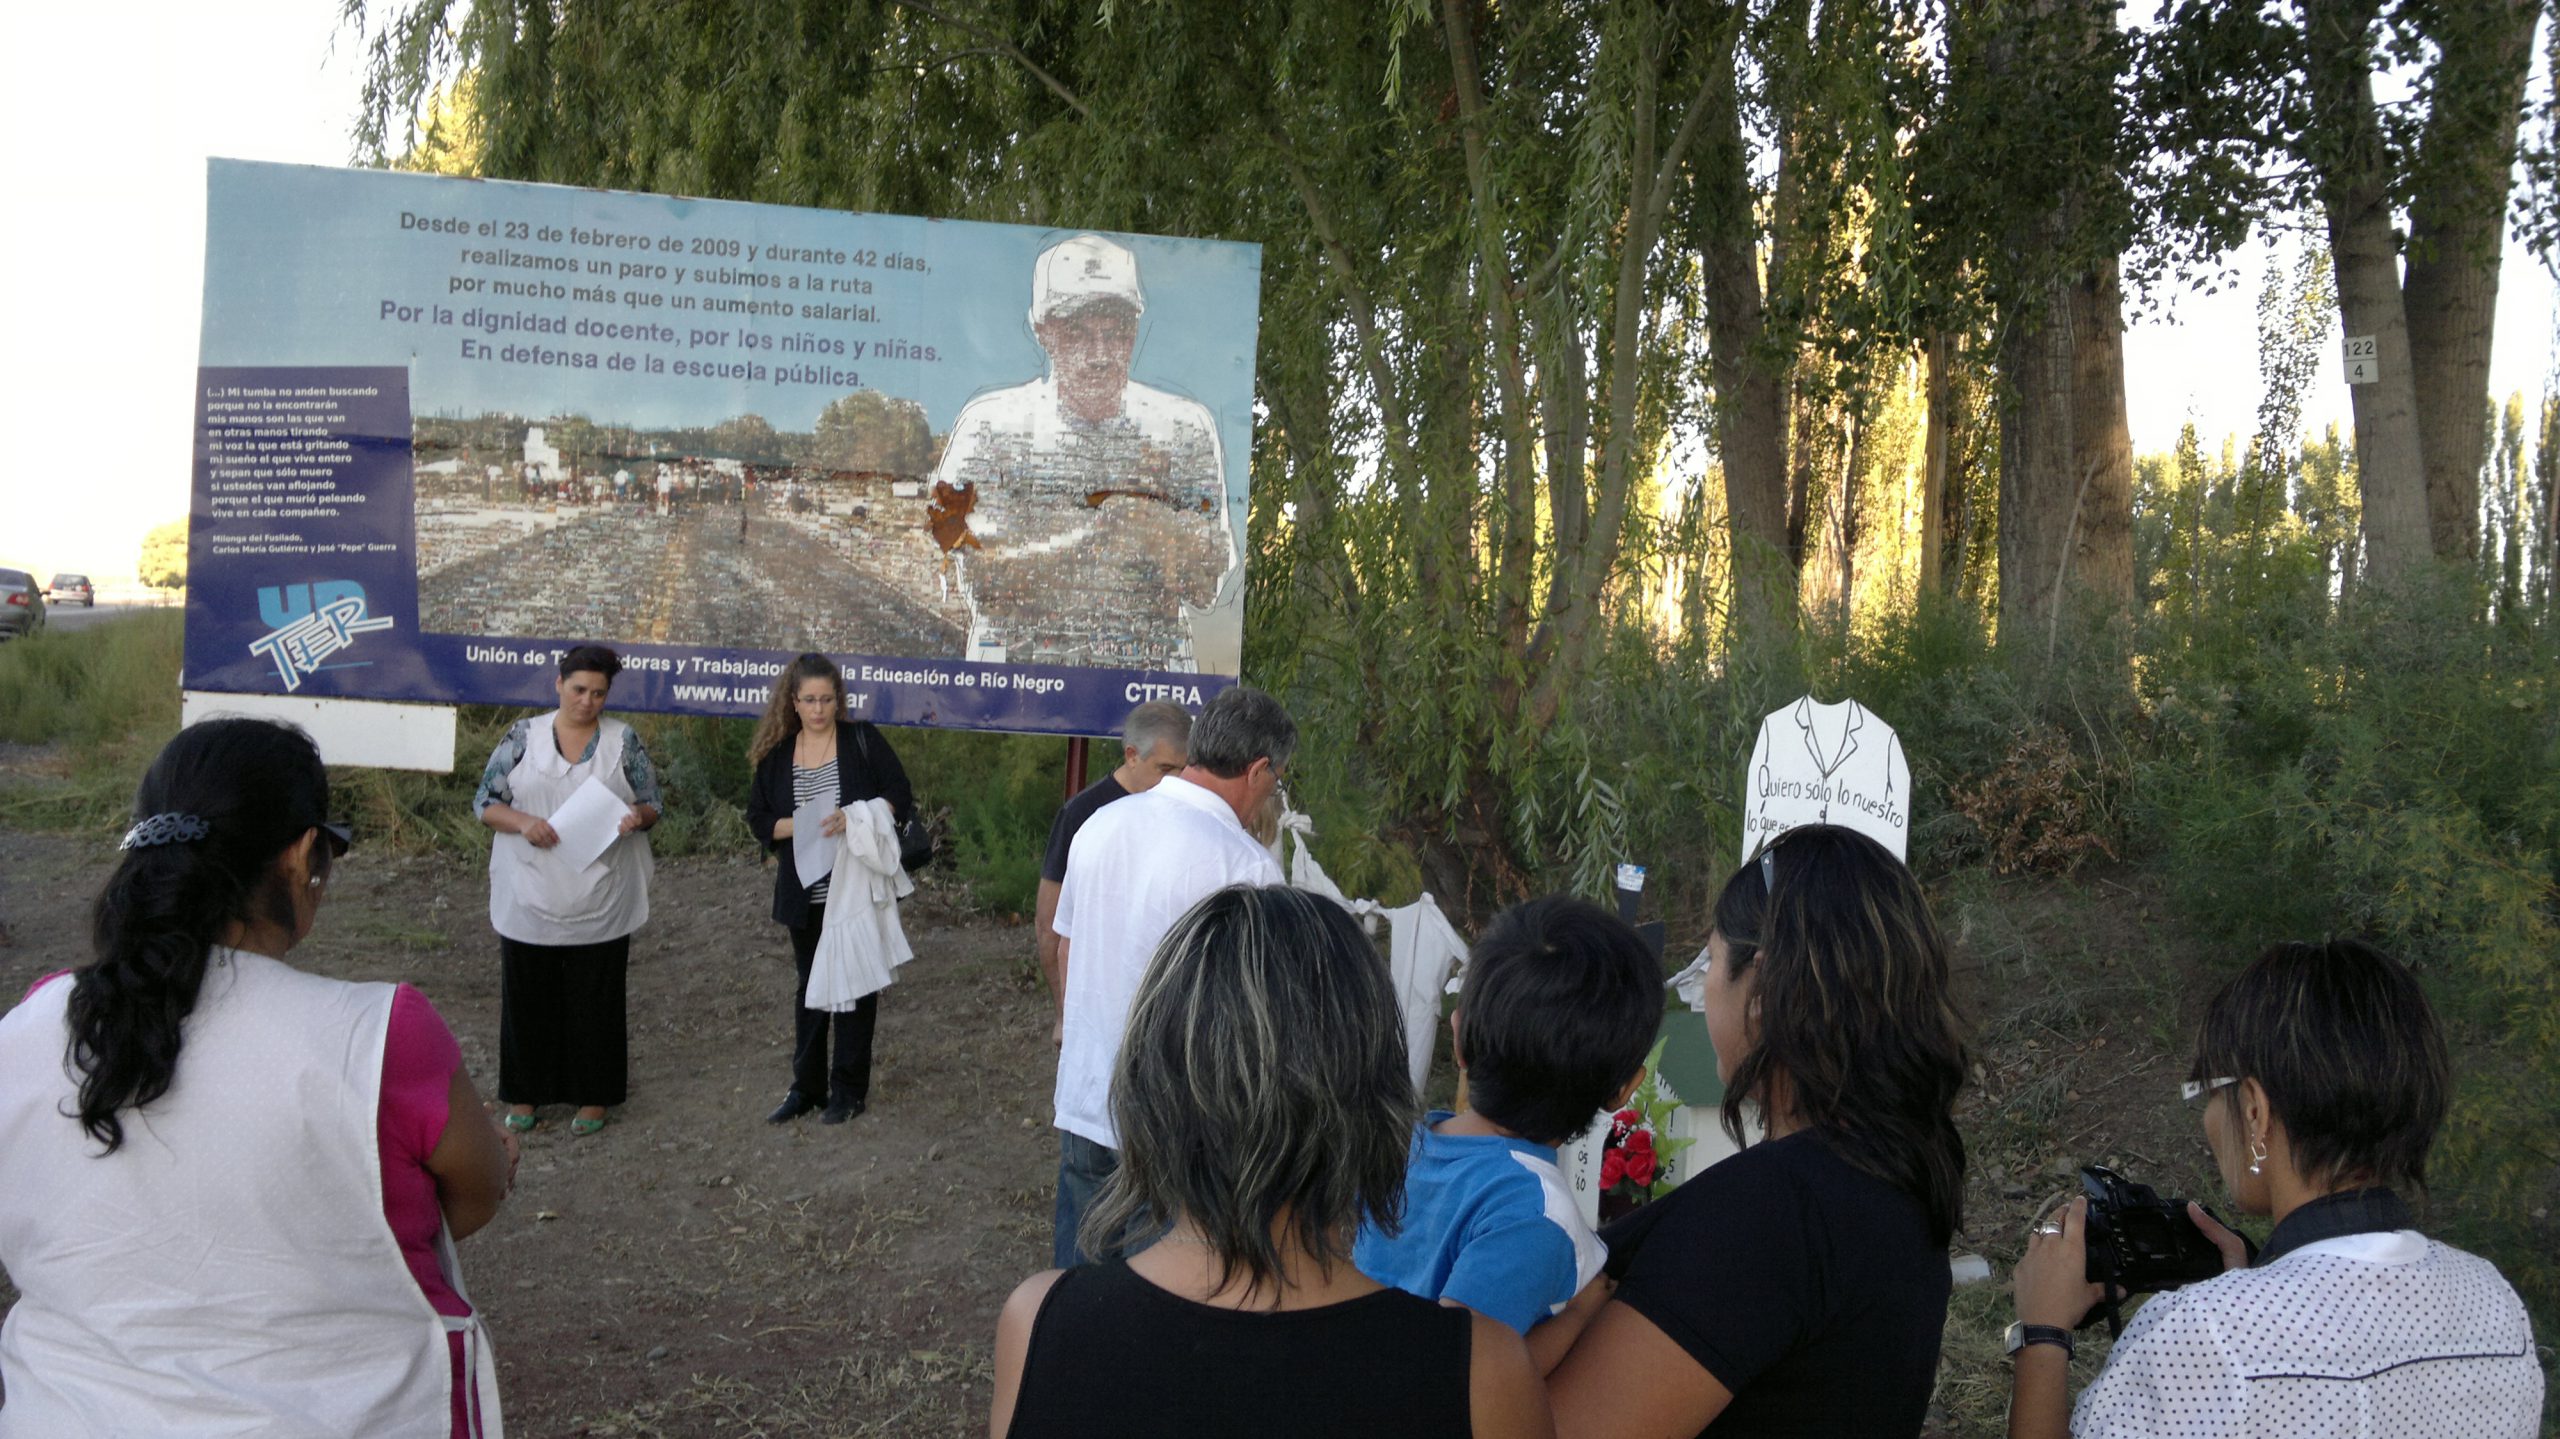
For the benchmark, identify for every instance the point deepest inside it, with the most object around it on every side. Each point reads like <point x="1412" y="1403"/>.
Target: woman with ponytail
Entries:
<point x="229" y="1188"/>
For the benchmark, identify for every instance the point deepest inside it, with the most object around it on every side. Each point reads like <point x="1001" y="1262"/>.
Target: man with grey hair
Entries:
<point x="1087" y="512"/>
<point x="1133" y="870"/>
<point x="1155" y="744"/>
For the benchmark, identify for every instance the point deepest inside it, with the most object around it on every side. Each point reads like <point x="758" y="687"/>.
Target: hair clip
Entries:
<point x="170" y="828"/>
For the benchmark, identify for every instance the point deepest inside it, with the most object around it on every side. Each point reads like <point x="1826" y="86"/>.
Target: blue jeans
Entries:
<point x="1082" y="1166"/>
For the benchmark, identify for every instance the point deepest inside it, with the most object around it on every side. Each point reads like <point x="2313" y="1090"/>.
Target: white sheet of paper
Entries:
<point x="813" y="852"/>
<point x="588" y="824"/>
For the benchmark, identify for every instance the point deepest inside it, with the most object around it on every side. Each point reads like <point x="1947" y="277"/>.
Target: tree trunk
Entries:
<point x="1844" y="519"/>
<point x="2389" y="467"/>
<point x="1751" y="392"/>
<point x="2456" y="224"/>
<point x="2101" y="561"/>
<point x="1933" y="477"/>
<point x="2038" y="485"/>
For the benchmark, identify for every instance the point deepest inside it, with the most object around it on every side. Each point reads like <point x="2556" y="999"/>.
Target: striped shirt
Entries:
<point x="808" y="786"/>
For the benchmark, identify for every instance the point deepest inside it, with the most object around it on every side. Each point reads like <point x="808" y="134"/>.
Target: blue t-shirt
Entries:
<point x="1489" y="1223"/>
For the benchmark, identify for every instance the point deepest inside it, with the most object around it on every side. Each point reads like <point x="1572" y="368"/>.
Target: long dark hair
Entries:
<point x="1853" y="1009"/>
<point x="257" y="787"/>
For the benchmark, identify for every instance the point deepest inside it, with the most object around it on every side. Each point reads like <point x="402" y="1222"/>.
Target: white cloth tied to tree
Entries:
<point x="863" y="944"/>
<point x="1423" y="948"/>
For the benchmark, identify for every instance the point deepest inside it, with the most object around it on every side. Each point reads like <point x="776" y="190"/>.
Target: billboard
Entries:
<point x="446" y="429"/>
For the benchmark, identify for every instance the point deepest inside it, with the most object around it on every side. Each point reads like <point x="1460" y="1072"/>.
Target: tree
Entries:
<point x="2025" y="172"/>
<point x="1464" y="211"/>
<point x="164" y="557"/>
<point x="2273" y="110"/>
<point x="871" y="433"/>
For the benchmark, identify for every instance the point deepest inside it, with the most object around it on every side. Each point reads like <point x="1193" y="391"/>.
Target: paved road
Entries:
<point x="63" y="618"/>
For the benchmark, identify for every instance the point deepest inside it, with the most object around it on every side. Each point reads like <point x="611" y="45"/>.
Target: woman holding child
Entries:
<point x="1800" y="1286"/>
<point x="1264" y="1112"/>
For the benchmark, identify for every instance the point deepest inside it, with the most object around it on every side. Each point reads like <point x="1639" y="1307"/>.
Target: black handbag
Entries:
<point x="915" y="844"/>
<point x="915" y="837"/>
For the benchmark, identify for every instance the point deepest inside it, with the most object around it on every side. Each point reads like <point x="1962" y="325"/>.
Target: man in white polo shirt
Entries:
<point x="1135" y="867"/>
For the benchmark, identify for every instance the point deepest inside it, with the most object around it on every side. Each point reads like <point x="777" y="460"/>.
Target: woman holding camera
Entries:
<point x="2321" y="1075"/>
<point x="1798" y="1287"/>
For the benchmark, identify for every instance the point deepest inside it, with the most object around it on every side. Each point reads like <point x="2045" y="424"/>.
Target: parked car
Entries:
<point x="67" y="587"/>
<point x="21" y="604"/>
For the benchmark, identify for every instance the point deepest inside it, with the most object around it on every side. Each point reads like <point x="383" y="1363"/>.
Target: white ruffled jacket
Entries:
<point x="862" y="946"/>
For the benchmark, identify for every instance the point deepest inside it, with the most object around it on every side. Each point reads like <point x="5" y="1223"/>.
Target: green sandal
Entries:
<point x="581" y="1128"/>
<point x="519" y="1123"/>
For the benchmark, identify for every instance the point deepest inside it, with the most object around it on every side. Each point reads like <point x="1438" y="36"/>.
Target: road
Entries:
<point x="65" y="618"/>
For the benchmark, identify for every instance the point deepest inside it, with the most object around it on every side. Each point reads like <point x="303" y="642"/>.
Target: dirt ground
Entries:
<point x="695" y="1272"/>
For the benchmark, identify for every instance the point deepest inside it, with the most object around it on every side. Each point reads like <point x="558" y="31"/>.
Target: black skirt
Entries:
<point x="561" y="1032"/>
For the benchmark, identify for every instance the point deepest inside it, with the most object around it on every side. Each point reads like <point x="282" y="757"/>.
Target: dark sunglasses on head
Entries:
<point x="342" y="836"/>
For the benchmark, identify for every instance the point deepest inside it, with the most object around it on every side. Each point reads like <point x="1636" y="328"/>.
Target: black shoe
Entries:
<point x="791" y="1108"/>
<point x="841" y="1110"/>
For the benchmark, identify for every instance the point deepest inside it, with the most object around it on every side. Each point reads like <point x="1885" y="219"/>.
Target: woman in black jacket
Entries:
<point x="806" y="750"/>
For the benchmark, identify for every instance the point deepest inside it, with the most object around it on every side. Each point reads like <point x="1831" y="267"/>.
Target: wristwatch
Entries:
<point x="2019" y="1336"/>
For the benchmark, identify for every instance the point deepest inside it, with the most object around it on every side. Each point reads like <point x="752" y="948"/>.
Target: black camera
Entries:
<point x="2140" y="1243"/>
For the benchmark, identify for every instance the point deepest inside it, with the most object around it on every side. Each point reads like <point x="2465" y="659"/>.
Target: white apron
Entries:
<point x="535" y="898"/>
<point x="228" y="1271"/>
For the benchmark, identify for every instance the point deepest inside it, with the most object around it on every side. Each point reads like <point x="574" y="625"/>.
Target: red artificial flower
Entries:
<point x="1613" y="1167"/>
<point x="1639" y="1169"/>
<point x="1629" y="1118"/>
<point x="1640" y="1142"/>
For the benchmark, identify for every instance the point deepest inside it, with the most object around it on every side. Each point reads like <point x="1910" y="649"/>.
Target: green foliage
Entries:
<point x="2396" y="776"/>
<point x="163" y="565"/>
<point x="108" y="695"/>
<point x="992" y="797"/>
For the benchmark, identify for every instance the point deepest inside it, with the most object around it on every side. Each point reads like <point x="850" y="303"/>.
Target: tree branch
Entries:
<point x="1004" y="46"/>
<point x="1518" y="541"/>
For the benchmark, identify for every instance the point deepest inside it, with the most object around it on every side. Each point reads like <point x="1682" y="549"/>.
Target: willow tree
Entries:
<point x="1473" y="324"/>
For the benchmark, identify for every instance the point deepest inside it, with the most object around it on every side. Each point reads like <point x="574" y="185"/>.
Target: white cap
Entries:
<point x="1080" y="268"/>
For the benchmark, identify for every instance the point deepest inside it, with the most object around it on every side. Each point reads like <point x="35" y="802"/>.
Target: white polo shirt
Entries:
<point x="1135" y="867"/>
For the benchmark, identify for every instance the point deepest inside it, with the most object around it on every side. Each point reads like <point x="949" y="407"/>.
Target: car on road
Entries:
<point x="68" y="587"/>
<point x="21" y="604"/>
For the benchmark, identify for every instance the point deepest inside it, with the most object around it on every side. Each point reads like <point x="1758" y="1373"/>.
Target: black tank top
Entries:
<point x="1112" y="1354"/>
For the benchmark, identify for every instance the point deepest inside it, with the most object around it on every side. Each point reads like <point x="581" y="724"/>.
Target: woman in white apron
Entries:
<point x="564" y="930"/>
<point x="228" y="1188"/>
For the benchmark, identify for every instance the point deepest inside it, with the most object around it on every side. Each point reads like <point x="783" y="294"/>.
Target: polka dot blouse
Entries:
<point x="2370" y="1336"/>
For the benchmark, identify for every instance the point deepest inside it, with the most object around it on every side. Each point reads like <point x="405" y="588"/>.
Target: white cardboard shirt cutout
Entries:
<point x="1818" y="764"/>
<point x="1827" y="764"/>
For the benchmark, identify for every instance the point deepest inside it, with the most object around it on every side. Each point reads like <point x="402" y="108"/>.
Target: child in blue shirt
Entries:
<point x="1560" y="1004"/>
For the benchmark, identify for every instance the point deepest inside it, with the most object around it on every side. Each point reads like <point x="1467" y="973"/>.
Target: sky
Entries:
<point x="104" y="184"/>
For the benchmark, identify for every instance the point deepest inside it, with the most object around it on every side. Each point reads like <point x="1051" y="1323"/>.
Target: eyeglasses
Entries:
<point x="2199" y="1092"/>
<point x="342" y="836"/>
<point x="1769" y="868"/>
